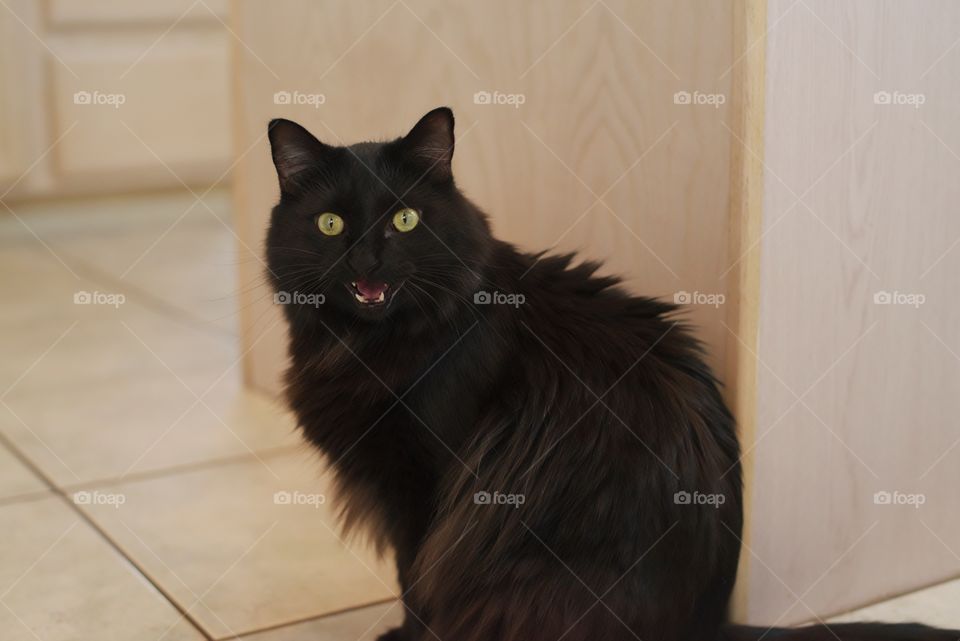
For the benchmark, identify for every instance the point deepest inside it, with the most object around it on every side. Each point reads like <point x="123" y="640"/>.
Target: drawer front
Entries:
<point x="130" y="114"/>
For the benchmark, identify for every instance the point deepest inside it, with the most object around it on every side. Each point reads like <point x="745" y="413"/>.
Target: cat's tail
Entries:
<point x="840" y="632"/>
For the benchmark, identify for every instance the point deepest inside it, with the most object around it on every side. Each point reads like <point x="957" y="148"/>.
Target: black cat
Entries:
<point x="547" y="455"/>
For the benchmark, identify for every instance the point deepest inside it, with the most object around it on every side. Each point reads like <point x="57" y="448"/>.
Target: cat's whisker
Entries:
<point x="416" y="301"/>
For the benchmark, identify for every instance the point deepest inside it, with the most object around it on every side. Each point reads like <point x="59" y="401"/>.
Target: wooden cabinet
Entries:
<point x="108" y="96"/>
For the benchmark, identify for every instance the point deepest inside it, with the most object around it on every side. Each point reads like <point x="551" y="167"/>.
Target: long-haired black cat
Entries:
<point x="547" y="455"/>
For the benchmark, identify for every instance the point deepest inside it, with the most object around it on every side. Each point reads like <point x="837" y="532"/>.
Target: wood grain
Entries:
<point x="598" y="119"/>
<point x="878" y="383"/>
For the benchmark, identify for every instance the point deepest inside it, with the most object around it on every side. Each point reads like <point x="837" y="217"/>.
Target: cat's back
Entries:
<point x="607" y="365"/>
<point x="566" y="313"/>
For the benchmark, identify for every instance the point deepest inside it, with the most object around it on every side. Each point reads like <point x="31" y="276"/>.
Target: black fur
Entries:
<point x="593" y="405"/>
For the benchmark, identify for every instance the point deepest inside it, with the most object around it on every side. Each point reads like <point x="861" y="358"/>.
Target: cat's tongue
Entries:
<point x="370" y="290"/>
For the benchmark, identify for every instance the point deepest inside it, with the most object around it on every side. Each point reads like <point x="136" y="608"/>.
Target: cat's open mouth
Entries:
<point x="369" y="292"/>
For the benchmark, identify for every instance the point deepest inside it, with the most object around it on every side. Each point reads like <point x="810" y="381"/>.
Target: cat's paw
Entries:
<point x="395" y="634"/>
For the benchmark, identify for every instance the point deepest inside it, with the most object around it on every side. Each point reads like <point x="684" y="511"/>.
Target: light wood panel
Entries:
<point x="166" y="115"/>
<point x="746" y="221"/>
<point x="878" y="383"/>
<point x="598" y="118"/>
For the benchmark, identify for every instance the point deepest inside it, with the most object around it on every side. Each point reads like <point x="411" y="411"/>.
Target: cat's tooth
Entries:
<point x="360" y="298"/>
<point x="380" y="297"/>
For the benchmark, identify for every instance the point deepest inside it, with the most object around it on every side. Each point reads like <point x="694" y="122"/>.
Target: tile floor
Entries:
<point x="143" y="492"/>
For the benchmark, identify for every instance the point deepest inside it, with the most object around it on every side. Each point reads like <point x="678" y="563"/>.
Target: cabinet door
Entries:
<point x="142" y="120"/>
<point x="107" y="96"/>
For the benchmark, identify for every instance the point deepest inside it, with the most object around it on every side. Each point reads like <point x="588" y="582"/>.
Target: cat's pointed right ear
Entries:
<point x="294" y="150"/>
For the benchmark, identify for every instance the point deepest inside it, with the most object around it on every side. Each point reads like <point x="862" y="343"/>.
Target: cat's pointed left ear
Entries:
<point x="294" y="151"/>
<point x="431" y="141"/>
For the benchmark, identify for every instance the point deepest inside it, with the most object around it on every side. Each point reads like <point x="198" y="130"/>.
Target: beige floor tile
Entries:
<point x="364" y="624"/>
<point x="99" y="343"/>
<point x="103" y="340"/>
<point x="15" y="478"/>
<point x="45" y="328"/>
<point x="166" y="248"/>
<point x="191" y="265"/>
<point x="224" y="535"/>
<point x="61" y="581"/>
<point x="37" y="286"/>
<point x="938" y="606"/>
<point x="143" y="422"/>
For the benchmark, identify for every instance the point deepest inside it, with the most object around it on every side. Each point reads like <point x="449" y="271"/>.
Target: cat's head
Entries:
<point x="378" y="229"/>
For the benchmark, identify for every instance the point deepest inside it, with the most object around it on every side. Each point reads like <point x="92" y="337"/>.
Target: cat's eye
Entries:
<point x="330" y="224"/>
<point x="406" y="219"/>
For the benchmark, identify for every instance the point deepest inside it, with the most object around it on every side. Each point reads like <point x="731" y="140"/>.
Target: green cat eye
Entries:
<point x="406" y="219"/>
<point x="330" y="224"/>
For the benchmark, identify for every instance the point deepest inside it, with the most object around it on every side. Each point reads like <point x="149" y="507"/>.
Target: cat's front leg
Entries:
<point x="414" y="618"/>
<point x="394" y="634"/>
<point x="411" y="630"/>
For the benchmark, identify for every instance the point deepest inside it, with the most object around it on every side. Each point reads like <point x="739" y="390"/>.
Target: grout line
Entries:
<point x="142" y="296"/>
<point x="25" y="497"/>
<point x="134" y="564"/>
<point x="308" y="619"/>
<point x="64" y="498"/>
<point x="26" y="462"/>
<point x="145" y="298"/>
<point x="63" y="492"/>
<point x="183" y="468"/>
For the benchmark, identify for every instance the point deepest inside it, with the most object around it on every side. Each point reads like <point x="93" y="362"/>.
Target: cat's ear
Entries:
<point x="430" y="142"/>
<point x="294" y="150"/>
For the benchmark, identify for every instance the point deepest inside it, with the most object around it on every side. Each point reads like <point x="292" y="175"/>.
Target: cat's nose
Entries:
<point x="362" y="261"/>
